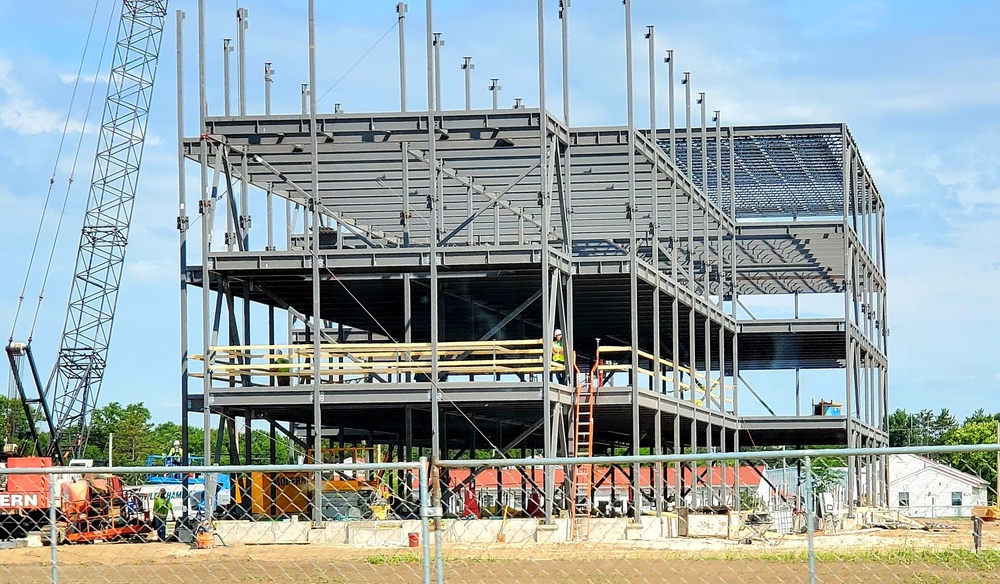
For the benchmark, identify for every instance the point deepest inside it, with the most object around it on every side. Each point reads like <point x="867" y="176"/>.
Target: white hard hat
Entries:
<point x="177" y="442"/>
<point x="558" y="332"/>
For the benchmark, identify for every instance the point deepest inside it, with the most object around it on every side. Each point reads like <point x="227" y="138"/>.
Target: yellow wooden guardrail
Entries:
<point x="719" y="392"/>
<point x="341" y="362"/>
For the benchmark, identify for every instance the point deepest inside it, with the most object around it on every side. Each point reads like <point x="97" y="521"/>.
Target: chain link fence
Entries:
<point x="767" y="516"/>
<point x="757" y="517"/>
<point x="173" y="523"/>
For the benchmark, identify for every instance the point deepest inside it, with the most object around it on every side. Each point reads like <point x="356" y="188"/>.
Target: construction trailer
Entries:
<point x="420" y="263"/>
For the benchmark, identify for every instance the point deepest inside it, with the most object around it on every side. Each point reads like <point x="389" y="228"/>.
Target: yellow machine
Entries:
<point x="348" y="495"/>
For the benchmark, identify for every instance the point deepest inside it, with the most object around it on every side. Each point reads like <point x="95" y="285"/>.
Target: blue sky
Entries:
<point x="917" y="82"/>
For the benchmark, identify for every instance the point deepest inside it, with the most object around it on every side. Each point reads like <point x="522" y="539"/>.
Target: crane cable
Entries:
<point x="358" y="62"/>
<point x="72" y="173"/>
<point x="434" y="382"/>
<point x="55" y="167"/>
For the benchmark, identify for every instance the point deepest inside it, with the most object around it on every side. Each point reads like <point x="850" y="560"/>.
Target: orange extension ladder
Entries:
<point x="584" y="432"/>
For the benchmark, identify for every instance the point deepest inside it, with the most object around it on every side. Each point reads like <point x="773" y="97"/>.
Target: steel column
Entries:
<point x="182" y="227"/>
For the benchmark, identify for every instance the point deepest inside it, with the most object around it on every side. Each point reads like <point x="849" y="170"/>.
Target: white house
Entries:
<point x="921" y="487"/>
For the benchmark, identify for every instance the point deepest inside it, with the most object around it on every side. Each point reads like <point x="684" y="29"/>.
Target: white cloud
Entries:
<point x="70" y="78"/>
<point x="23" y="116"/>
<point x="152" y="271"/>
<point x="20" y="113"/>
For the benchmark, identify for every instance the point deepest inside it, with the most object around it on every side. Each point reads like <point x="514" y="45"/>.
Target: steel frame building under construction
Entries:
<point x="423" y="261"/>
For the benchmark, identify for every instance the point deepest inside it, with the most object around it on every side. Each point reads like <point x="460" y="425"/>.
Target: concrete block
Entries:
<point x="376" y="533"/>
<point x="518" y="530"/>
<point x="668" y="526"/>
<point x="649" y="528"/>
<point x="704" y="525"/>
<point x="735" y="525"/>
<point x="332" y="533"/>
<point x="474" y="531"/>
<point x="634" y="531"/>
<point x="264" y="532"/>
<point x="556" y="532"/>
<point x="607" y="529"/>
<point x="409" y="525"/>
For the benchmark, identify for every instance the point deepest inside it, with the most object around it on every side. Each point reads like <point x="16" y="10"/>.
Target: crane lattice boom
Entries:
<point x="79" y="370"/>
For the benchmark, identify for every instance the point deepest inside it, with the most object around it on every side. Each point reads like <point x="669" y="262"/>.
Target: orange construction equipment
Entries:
<point x="99" y="508"/>
<point x="91" y="508"/>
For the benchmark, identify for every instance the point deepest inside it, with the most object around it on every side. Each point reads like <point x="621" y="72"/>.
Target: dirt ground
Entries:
<point x="865" y="556"/>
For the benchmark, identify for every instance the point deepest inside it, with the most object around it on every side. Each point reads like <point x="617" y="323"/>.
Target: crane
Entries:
<point x="64" y="402"/>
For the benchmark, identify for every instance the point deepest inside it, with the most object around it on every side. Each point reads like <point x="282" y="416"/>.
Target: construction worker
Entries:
<point x="174" y="455"/>
<point x="559" y="355"/>
<point x="283" y="379"/>
<point x="161" y="510"/>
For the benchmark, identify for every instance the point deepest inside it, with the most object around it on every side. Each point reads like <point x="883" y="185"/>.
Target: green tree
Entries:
<point x="163" y="435"/>
<point x="132" y="429"/>
<point x="943" y="423"/>
<point x="15" y="427"/>
<point x="983" y="464"/>
<point x="923" y="428"/>
<point x="828" y="472"/>
<point x="899" y="428"/>
<point x="980" y="415"/>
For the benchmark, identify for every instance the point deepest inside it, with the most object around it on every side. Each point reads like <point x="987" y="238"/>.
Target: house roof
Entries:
<point x="939" y="467"/>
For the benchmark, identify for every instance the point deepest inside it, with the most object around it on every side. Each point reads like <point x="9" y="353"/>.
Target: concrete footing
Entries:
<point x="396" y="533"/>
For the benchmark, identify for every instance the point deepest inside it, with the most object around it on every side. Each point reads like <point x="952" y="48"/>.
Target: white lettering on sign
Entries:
<point x="18" y="500"/>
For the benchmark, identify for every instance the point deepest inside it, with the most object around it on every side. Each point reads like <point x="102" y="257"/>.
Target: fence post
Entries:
<point x="810" y="519"/>
<point x="425" y="533"/>
<point x="53" y="530"/>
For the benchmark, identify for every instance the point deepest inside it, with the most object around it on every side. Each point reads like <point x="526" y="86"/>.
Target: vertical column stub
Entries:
<point x="564" y="18"/>
<point x="241" y="57"/>
<point x="401" y="23"/>
<point x="468" y="66"/>
<point x="495" y="89"/>
<point x="438" y="42"/>
<point x="268" y="80"/>
<point x="227" y="49"/>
